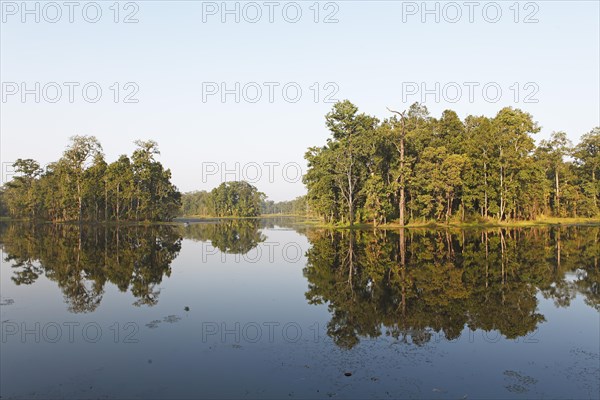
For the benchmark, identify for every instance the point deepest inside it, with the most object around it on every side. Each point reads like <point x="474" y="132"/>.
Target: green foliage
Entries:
<point x="447" y="170"/>
<point x="587" y="169"/>
<point x="298" y="206"/>
<point x="236" y="199"/>
<point x="82" y="186"/>
<point x="197" y="203"/>
<point x="3" y="205"/>
<point x="230" y="199"/>
<point x="335" y="189"/>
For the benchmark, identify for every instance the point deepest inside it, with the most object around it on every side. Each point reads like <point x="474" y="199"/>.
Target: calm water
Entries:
<point x="277" y="310"/>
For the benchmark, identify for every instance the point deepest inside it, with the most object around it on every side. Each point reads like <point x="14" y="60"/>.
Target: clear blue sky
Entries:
<point x="373" y="48"/>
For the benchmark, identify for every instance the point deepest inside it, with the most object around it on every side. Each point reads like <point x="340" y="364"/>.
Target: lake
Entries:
<point x="275" y="309"/>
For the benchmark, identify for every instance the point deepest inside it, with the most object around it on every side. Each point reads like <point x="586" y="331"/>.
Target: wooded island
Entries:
<point x="412" y="167"/>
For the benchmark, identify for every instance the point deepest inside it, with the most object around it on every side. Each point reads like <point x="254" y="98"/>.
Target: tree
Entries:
<point x="339" y="170"/>
<point x="236" y="199"/>
<point x="439" y="169"/>
<point x="587" y="157"/>
<point x="479" y="148"/>
<point x="298" y="206"/>
<point x="76" y="157"/>
<point x="323" y="193"/>
<point x="119" y="184"/>
<point x="197" y="203"/>
<point x="22" y="200"/>
<point x="513" y="144"/>
<point x="377" y="205"/>
<point x="82" y="186"/>
<point x="554" y="151"/>
<point x="402" y="171"/>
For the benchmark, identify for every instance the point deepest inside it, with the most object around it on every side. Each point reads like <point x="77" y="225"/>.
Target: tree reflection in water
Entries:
<point x="229" y="236"/>
<point x="82" y="259"/>
<point x="411" y="284"/>
<point x="408" y="284"/>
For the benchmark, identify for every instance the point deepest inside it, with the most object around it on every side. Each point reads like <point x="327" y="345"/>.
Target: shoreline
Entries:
<point x="313" y="222"/>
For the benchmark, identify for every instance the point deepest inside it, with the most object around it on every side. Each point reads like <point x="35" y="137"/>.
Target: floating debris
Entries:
<point x="171" y="319"/>
<point x="6" y="302"/>
<point x="520" y="382"/>
<point x="153" y="324"/>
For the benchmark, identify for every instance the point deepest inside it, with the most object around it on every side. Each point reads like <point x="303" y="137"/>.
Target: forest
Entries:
<point x="229" y="199"/>
<point x="82" y="186"/>
<point x="409" y="168"/>
<point x="238" y="199"/>
<point x="412" y="167"/>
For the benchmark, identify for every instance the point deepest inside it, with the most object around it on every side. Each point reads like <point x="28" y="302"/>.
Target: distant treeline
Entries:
<point x="413" y="167"/>
<point x="81" y="186"/>
<point x="229" y="199"/>
<point x="237" y="199"/>
<point x="298" y="206"/>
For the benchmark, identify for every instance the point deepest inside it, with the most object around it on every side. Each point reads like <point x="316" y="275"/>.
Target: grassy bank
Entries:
<point x="317" y="223"/>
<point x="466" y="224"/>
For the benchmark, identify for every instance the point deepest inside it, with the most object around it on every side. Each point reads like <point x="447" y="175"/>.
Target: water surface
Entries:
<point x="257" y="309"/>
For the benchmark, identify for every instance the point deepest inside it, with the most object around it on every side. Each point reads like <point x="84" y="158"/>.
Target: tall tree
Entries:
<point x="24" y="202"/>
<point x="236" y="199"/>
<point x="76" y="157"/>
<point x="513" y="143"/>
<point x="81" y="186"/>
<point x="555" y="151"/>
<point x="402" y="171"/>
<point x="350" y="132"/>
<point x="587" y="156"/>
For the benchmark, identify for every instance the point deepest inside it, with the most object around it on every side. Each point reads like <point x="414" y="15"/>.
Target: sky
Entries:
<point x="239" y="90"/>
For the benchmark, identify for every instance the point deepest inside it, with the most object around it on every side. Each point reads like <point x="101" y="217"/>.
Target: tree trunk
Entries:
<point x="105" y="202"/>
<point x="350" y="196"/>
<point x="594" y="186"/>
<point x="557" y="192"/>
<point x="485" y="193"/>
<point x="117" y="205"/>
<point x="402" y="204"/>
<point x="402" y="200"/>
<point x="501" y="193"/>
<point x="79" y="203"/>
